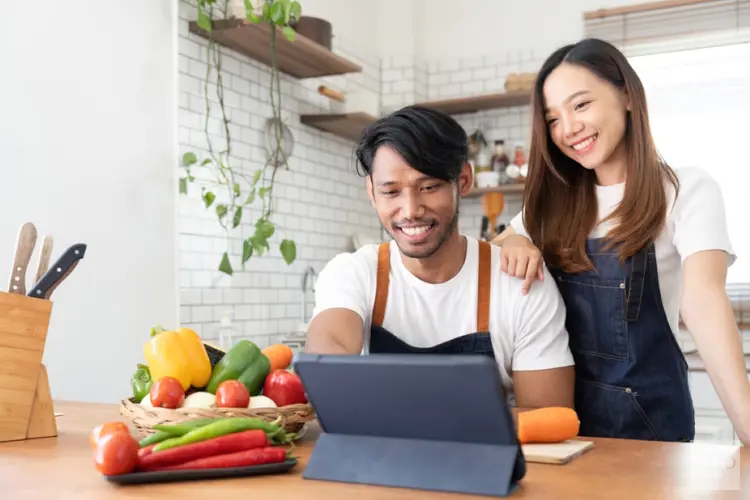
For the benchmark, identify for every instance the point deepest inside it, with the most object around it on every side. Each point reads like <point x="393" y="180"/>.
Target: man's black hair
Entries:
<point x="429" y="141"/>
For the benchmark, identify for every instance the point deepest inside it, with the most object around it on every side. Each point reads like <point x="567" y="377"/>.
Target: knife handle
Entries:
<point x="24" y="248"/>
<point x="44" y="257"/>
<point x="58" y="271"/>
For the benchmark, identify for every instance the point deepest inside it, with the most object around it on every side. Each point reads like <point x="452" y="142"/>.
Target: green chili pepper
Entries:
<point x="141" y="383"/>
<point x="156" y="437"/>
<point x="220" y="428"/>
<point x="184" y="427"/>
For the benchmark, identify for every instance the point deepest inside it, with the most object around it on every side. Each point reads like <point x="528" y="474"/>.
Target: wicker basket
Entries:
<point x="143" y="418"/>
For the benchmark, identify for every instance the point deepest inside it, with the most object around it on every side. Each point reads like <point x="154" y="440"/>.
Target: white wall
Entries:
<point x="87" y="132"/>
<point x="478" y="27"/>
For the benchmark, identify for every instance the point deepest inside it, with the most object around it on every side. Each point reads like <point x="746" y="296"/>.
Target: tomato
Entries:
<point x="167" y="393"/>
<point x="284" y="388"/>
<point x="104" y="430"/>
<point x="116" y="453"/>
<point x="232" y="394"/>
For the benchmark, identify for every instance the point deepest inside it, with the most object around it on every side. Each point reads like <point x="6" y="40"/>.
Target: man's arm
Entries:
<point x="335" y="331"/>
<point x="543" y="366"/>
<point x="342" y="293"/>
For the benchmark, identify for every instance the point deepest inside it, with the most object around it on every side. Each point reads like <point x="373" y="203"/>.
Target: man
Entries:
<point x="432" y="289"/>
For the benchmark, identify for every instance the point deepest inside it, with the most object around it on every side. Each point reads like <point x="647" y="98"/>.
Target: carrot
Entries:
<point x="280" y="356"/>
<point x="547" y="425"/>
<point x="228" y="443"/>
<point x="257" y="456"/>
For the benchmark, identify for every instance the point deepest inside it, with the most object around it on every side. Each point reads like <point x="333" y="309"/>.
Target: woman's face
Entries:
<point x="586" y="117"/>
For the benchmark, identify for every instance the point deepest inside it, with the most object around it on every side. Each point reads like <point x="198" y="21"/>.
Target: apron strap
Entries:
<point x="483" y="288"/>
<point x="637" y="283"/>
<point x="381" y="290"/>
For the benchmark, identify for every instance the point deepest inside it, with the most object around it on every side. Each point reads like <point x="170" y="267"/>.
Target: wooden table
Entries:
<point x="62" y="467"/>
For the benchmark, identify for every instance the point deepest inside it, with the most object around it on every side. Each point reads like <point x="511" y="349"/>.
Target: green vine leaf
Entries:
<point x="264" y="228"/>
<point x="208" y="198"/>
<point x="250" y="198"/>
<point x="296" y="10"/>
<point x="256" y="177"/>
<point x="264" y="190"/>
<point x="289" y="33"/>
<point x="237" y="216"/>
<point x="221" y="211"/>
<point x="183" y="185"/>
<point x="225" y="266"/>
<point x="236" y="190"/>
<point x="277" y="12"/>
<point x="247" y="251"/>
<point x="189" y="158"/>
<point x="203" y="21"/>
<point x="288" y="250"/>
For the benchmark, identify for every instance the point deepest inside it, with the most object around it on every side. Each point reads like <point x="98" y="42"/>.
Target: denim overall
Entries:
<point x="631" y="376"/>
<point x="384" y="342"/>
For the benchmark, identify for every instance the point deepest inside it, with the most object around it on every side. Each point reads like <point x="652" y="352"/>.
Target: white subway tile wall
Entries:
<point x="320" y="202"/>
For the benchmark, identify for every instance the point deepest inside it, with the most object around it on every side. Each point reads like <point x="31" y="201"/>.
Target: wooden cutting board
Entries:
<point x="555" y="453"/>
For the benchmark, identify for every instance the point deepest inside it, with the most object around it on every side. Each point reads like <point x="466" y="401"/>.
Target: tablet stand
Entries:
<point x="470" y="468"/>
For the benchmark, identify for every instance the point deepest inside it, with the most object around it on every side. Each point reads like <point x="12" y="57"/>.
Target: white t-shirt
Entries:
<point x="696" y="222"/>
<point x="528" y="332"/>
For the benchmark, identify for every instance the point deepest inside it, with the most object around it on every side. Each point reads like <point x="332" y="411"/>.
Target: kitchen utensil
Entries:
<point x="555" y="453"/>
<point x="331" y="94"/>
<point x="493" y="204"/>
<point x="44" y="257"/>
<point x="24" y="249"/>
<point x="59" y="271"/>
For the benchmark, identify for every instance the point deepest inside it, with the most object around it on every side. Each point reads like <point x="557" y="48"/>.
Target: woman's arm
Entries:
<point x="708" y="315"/>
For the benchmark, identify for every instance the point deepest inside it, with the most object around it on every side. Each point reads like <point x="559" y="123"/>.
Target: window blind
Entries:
<point x="671" y="25"/>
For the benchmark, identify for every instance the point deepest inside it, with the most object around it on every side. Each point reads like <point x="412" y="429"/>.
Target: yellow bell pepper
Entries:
<point x="180" y="354"/>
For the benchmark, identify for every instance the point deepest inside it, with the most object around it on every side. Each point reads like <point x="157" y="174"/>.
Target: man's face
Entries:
<point x="418" y="211"/>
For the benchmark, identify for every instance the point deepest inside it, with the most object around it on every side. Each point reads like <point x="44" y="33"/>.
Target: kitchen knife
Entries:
<point x="58" y="272"/>
<point x="24" y="249"/>
<point x="44" y="257"/>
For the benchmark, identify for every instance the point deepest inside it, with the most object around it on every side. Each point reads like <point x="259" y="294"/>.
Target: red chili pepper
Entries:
<point x="221" y="445"/>
<point x="257" y="456"/>
<point x="146" y="450"/>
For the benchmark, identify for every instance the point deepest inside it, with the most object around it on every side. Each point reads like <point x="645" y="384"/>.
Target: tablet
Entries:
<point x="432" y="397"/>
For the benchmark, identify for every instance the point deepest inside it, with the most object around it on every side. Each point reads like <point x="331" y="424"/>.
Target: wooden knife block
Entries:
<point x="26" y="409"/>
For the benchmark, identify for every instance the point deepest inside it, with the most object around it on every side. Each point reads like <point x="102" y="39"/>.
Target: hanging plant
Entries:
<point x="279" y="14"/>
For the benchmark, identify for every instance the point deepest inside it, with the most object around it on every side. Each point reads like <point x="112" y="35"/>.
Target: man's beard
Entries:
<point x="444" y="232"/>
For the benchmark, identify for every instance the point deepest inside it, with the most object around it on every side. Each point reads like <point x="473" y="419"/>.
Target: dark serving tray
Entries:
<point x="169" y="476"/>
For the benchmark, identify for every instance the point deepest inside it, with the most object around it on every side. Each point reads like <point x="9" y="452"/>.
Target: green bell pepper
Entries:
<point x="141" y="383"/>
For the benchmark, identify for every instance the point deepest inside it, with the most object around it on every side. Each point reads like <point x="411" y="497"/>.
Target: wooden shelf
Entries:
<point x="346" y="125"/>
<point x="479" y="103"/>
<point x="503" y="188"/>
<point x="301" y="58"/>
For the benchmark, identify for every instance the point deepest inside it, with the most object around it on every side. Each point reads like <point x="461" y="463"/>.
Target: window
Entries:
<point x="694" y="60"/>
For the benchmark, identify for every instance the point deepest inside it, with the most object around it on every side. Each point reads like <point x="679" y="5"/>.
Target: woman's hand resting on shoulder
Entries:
<point x="521" y="259"/>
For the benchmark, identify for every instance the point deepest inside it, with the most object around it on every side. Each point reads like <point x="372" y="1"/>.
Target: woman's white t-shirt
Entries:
<point x="696" y="222"/>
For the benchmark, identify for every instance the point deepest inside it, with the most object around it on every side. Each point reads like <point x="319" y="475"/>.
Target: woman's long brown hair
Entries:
<point x="560" y="207"/>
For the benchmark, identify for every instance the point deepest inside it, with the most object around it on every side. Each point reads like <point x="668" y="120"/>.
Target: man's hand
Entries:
<point x="335" y="331"/>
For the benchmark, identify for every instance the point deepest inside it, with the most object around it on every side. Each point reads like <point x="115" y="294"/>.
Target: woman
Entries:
<point x="632" y="245"/>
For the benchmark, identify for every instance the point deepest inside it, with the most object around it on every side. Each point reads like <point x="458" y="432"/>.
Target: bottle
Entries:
<point x="226" y="333"/>
<point x="500" y="160"/>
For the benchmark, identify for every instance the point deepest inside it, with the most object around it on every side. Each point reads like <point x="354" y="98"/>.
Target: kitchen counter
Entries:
<point x="62" y="467"/>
